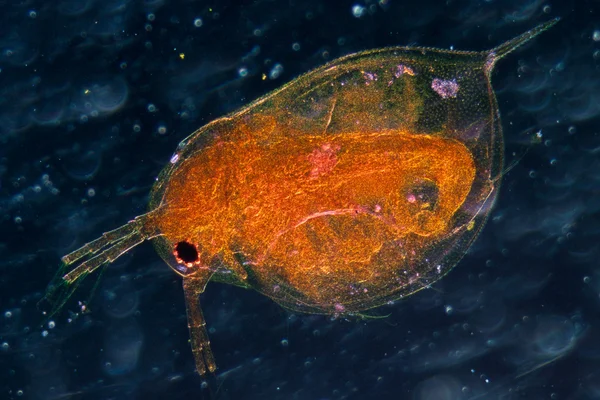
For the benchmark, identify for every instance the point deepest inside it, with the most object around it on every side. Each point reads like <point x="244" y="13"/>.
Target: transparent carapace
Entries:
<point x="360" y="182"/>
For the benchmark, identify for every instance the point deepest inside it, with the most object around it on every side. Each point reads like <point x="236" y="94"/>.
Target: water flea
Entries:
<point x="353" y="186"/>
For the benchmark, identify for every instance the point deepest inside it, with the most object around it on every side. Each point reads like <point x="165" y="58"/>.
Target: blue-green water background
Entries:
<point x="94" y="98"/>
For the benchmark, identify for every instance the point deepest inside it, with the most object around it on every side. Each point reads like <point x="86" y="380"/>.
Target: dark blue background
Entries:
<point x="94" y="98"/>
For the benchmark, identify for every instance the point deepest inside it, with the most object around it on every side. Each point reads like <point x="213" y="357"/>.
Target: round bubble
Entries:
<point x="490" y="317"/>
<point x="123" y="344"/>
<point x="82" y="166"/>
<point x="35" y="354"/>
<point x="15" y="122"/>
<point x="120" y="299"/>
<point x="441" y="387"/>
<point x="553" y="336"/>
<point x="110" y="96"/>
<point x="10" y="324"/>
<point x="73" y="8"/>
<point x="50" y="111"/>
<point x="18" y="54"/>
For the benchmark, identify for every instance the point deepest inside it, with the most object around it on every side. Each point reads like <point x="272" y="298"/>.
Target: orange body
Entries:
<point x="332" y="217"/>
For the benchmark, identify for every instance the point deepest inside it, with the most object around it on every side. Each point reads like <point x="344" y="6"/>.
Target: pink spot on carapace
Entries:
<point x="445" y="88"/>
<point x="369" y="77"/>
<point x="377" y="208"/>
<point x="411" y="198"/>
<point x="323" y="159"/>
<point x="402" y="69"/>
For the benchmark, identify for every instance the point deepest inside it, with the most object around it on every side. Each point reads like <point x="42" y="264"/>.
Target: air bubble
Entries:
<point x="243" y="71"/>
<point x="596" y="36"/>
<point x="284" y="343"/>
<point x="358" y="10"/>
<point x="51" y="324"/>
<point x="198" y="22"/>
<point x="151" y="108"/>
<point x="276" y="71"/>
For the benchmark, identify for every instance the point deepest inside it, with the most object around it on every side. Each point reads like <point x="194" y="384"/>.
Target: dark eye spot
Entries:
<point x="186" y="252"/>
